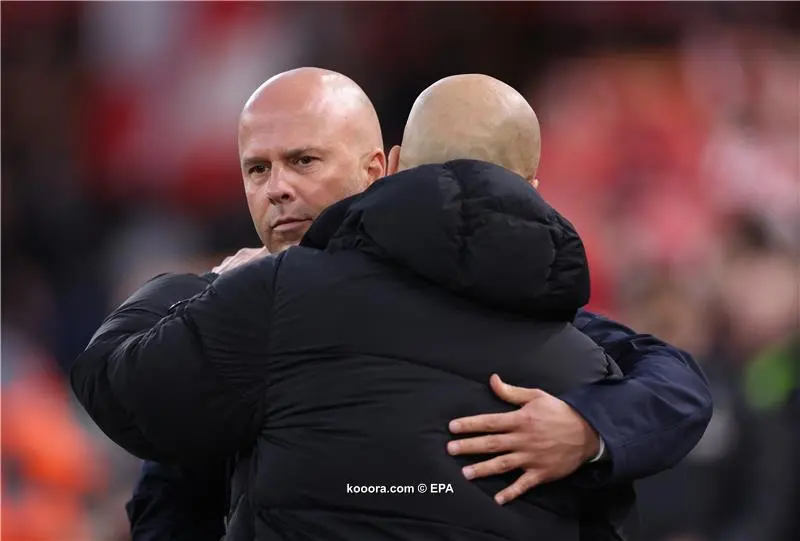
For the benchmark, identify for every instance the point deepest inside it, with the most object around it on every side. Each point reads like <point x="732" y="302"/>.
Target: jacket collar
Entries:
<point x="328" y="223"/>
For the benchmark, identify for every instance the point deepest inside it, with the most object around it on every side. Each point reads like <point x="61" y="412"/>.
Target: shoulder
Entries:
<point x="584" y="318"/>
<point x="570" y="341"/>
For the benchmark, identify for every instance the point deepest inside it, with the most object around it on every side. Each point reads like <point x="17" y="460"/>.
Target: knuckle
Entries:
<point x="530" y="480"/>
<point x="504" y="464"/>
<point x="527" y="417"/>
<point x="492" y="444"/>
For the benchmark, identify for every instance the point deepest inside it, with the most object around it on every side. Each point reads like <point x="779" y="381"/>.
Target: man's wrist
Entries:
<point x="594" y="445"/>
<point x="601" y="451"/>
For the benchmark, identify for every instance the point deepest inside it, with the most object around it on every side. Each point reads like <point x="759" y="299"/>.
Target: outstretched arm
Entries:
<point x="174" y="502"/>
<point x="184" y="388"/>
<point x="647" y="420"/>
<point x="652" y="417"/>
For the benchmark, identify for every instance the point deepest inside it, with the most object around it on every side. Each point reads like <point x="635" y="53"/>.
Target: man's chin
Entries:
<point x="276" y="246"/>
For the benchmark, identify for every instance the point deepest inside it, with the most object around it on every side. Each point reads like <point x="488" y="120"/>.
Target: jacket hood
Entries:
<point x="474" y="228"/>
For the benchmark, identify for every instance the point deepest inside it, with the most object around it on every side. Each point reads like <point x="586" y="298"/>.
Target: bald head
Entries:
<point x="335" y="98"/>
<point x="472" y="117"/>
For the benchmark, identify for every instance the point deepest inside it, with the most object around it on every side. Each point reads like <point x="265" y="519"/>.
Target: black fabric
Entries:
<point x="90" y="377"/>
<point x="178" y="504"/>
<point x="340" y="363"/>
<point x="478" y="230"/>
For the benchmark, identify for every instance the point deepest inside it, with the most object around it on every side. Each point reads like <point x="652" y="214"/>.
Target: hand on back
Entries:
<point x="545" y="438"/>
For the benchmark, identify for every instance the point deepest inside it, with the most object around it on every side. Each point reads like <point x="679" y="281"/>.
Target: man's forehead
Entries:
<point x="283" y="131"/>
<point x="269" y="120"/>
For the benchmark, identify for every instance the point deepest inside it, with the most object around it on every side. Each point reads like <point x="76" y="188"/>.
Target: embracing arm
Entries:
<point x="652" y="417"/>
<point x="184" y="387"/>
<point x="649" y="419"/>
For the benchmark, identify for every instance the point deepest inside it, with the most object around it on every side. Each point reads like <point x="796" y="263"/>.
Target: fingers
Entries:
<point x="526" y="481"/>
<point x="243" y="256"/>
<point x="489" y="422"/>
<point x="221" y="267"/>
<point x="256" y="253"/>
<point x="495" y="466"/>
<point x="511" y="393"/>
<point x="484" y="445"/>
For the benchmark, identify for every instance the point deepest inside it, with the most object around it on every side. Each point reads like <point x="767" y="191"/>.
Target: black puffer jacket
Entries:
<point x="339" y="363"/>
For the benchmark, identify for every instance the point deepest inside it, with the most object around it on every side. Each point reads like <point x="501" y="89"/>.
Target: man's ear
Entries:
<point x="393" y="164"/>
<point x="376" y="166"/>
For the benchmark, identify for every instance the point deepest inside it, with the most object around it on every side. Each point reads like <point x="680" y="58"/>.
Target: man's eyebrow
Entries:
<point x="251" y="161"/>
<point x="286" y="155"/>
<point x="297" y="152"/>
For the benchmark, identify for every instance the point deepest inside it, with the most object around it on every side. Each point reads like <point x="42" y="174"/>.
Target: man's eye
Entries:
<point x="257" y="170"/>
<point x="306" y="160"/>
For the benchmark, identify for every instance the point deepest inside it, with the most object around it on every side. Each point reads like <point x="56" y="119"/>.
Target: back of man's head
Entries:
<point x="470" y="116"/>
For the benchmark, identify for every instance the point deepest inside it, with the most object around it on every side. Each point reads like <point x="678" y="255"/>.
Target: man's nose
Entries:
<point x="280" y="189"/>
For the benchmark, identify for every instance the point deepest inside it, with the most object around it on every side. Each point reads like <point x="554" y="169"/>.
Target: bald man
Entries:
<point x="471" y="116"/>
<point x="290" y="113"/>
<point x="307" y="138"/>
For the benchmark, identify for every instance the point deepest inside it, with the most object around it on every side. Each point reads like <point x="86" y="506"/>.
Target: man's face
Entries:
<point x="297" y="163"/>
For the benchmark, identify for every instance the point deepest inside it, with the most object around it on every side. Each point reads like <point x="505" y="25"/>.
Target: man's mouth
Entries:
<point x="289" y="225"/>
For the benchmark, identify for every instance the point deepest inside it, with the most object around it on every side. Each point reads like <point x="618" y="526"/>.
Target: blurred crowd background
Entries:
<point x="670" y="139"/>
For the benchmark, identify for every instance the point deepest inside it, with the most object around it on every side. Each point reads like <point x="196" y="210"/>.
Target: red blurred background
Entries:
<point x="670" y="139"/>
